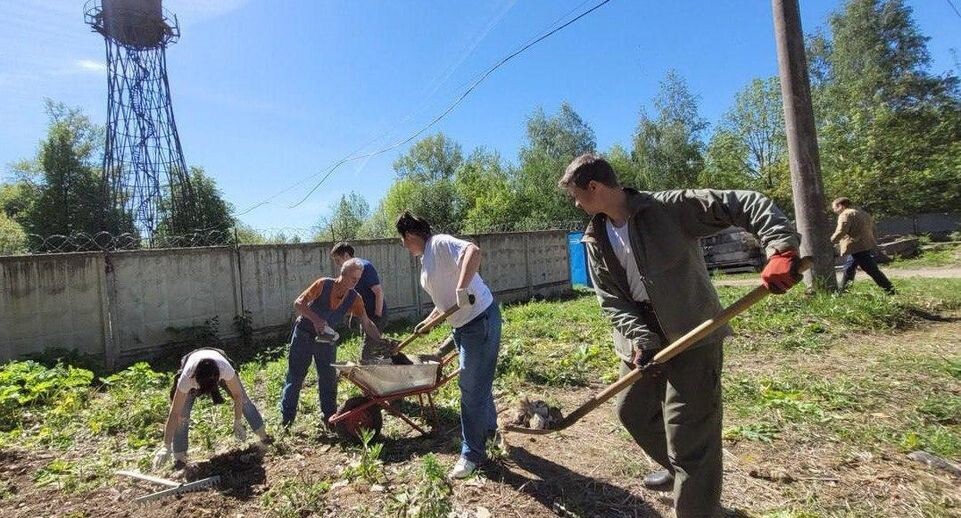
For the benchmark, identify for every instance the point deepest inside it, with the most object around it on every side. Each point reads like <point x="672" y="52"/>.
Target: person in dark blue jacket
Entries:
<point x="368" y="286"/>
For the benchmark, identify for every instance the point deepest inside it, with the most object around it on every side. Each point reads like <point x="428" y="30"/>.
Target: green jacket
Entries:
<point x="665" y="233"/>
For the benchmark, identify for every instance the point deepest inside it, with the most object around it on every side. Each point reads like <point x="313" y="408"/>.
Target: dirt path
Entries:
<point x="894" y="273"/>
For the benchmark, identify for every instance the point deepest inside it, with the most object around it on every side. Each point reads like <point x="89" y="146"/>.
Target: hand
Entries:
<point x="422" y="327"/>
<point x="464" y="299"/>
<point x="161" y="457"/>
<point x="781" y="273"/>
<point x="240" y="433"/>
<point x="642" y="357"/>
<point x="327" y="336"/>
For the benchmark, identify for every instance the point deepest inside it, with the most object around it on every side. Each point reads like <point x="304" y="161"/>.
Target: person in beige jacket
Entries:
<point x="854" y="237"/>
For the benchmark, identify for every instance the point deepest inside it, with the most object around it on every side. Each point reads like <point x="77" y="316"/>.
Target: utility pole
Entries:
<point x="810" y="209"/>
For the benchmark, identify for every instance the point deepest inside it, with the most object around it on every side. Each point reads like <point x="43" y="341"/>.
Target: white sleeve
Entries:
<point x="186" y="382"/>
<point x="448" y="249"/>
<point x="226" y="371"/>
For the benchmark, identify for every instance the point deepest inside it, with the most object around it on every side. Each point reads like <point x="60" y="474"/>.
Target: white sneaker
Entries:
<point x="462" y="469"/>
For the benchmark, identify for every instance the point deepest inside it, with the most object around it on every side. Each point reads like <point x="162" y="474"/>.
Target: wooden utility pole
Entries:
<point x="810" y="209"/>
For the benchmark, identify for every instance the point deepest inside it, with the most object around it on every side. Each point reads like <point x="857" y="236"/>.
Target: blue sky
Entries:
<point x="266" y="94"/>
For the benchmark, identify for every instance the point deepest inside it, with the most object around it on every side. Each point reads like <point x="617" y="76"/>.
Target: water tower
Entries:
<point x="145" y="176"/>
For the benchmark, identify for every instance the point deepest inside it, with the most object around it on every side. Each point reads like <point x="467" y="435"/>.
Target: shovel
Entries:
<point x="431" y="324"/>
<point x="676" y="348"/>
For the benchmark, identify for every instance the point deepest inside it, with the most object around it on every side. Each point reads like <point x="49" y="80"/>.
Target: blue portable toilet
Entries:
<point x="578" y="259"/>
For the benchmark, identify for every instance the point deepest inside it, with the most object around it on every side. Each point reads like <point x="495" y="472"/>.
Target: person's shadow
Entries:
<point x="239" y="471"/>
<point x="567" y="493"/>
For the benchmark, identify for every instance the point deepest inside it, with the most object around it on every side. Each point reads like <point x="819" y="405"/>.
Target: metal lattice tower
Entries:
<point x="144" y="173"/>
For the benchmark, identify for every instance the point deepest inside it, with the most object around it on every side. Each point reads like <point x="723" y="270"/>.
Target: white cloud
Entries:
<point x="89" y="65"/>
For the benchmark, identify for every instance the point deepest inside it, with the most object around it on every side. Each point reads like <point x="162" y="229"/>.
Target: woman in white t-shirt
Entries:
<point x="449" y="275"/>
<point x="203" y="372"/>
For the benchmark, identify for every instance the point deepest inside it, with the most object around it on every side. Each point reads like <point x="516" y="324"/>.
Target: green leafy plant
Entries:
<point x="431" y="498"/>
<point x="368" y="465"/>
<point x="296" y="497"/>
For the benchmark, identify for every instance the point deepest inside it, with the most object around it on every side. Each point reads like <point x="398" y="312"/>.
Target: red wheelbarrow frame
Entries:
<point x="384" y="401"/>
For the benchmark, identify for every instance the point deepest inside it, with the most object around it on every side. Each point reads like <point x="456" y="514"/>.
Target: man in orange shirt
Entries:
<point x="320" y="307"/>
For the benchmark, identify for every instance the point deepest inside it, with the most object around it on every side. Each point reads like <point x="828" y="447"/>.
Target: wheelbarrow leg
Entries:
<point x="406" y="419"/>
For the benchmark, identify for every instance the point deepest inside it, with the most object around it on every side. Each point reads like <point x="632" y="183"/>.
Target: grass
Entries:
<point x="802" y="369"/>
<point x="940" y="256"/>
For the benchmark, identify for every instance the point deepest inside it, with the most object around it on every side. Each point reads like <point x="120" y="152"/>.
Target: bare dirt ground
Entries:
<point x="591" y="469"/>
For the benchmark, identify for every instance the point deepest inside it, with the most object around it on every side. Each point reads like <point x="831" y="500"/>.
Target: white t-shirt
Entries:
<point x="187" y="381"/>
<point x="440" y="270"/>
<point x="621" y="243"/>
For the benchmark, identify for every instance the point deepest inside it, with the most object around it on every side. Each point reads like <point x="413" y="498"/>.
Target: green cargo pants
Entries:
<point x="676" y="420"/>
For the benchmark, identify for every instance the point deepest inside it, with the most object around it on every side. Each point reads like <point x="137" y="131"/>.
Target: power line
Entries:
<point x="452" y="106"/>
<point x="352" y="157"/>
<point x="956" y="11"/>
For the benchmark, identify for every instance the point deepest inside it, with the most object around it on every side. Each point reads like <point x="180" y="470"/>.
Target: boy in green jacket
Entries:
<point x="648" y="271"/>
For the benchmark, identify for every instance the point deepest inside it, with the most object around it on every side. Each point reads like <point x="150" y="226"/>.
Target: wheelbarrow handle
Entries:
<point x="431" y="324"/>
<point x="677" y="347"/>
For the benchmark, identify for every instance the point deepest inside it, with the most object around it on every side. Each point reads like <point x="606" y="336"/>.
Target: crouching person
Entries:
<point x="320" y="307"/>
<point x="203" y="372"/>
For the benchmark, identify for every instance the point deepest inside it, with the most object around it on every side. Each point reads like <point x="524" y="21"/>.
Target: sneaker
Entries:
<point x="463" y="469"/>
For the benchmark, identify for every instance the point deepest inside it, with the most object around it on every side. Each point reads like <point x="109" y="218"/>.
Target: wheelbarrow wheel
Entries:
<point x="349" y="428"/>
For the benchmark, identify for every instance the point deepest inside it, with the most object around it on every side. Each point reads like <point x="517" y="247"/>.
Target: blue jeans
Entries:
<point x="303" y="348"/>
<point x="253" y="417"/>
<point x="479" y="342"/>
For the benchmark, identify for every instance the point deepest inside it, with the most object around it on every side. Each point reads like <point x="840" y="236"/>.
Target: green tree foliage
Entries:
<point x="344" y="222"/>
<point x="430" y="159"/>
<point x="669" y="147"/>
<point x="13" y="240"/>
<point x="60" y="191"/>
<point x="552" y="142"/>
<point x="889" y="128"/>
<point x="209" y="212"/>
<point x="749" y="149"/>
<point x="484" y="193"/>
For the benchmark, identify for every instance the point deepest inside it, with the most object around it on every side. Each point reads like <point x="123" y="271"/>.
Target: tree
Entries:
<point x="561" y="136"/>
<point x="60" y="191"/>
<point x="344" y="222"/>
<point x="669" y="148"/>
<point x="484" y="193"/>
<point x="433" y="201"/>
<point x="552" y="142"/>
<point x="13" y="240"/>
<point x="431" y="159"/>
<point x="749" y="149"/>
<point x="889" y="127"/>
<point x="628" y="171"/>
<point x="210" y="214"/>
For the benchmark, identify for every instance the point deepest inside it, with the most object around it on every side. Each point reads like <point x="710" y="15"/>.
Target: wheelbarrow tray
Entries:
<point x="386" y="380"/>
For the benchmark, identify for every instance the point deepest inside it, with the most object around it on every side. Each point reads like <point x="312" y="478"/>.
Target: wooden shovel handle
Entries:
<point x="677" y="347"/>
<point x="431" y="324"/>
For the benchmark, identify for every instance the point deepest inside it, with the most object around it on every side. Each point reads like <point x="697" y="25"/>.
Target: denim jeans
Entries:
<point x="253" y="417"/>
<point x="870" y="267"/>
<point x="479" y="342"/>
<point x="303" y="348"/>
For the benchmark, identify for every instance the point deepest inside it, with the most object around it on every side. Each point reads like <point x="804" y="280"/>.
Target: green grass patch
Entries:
<point x="939" y="257"/>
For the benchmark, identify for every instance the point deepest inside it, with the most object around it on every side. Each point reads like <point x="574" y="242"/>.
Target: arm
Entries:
<point x="705" y="211"/>
<point x="302" y="305"/>
<point x="618" y="306"/>
<point x="843" y="228"/>
<point x="378" y="300"/>
<point x="173" y="418"/>
<point x="236" y="395"/>
<point x="469" y="265"/>
<point x="369" y="327"/>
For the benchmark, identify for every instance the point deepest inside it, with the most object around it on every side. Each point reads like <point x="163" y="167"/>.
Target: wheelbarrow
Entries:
<point x="382" y="386"/>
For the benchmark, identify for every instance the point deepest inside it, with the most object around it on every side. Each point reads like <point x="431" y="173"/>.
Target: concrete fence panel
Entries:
<point x="49" y="301"/>
<point x="156" y="291"/>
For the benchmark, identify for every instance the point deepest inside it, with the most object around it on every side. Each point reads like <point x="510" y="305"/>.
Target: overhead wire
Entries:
<point x="453" y="105"/>
<point x="327" y="172"/>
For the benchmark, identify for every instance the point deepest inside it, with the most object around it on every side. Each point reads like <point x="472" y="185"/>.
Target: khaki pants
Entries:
<point x="676" y="420"/>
